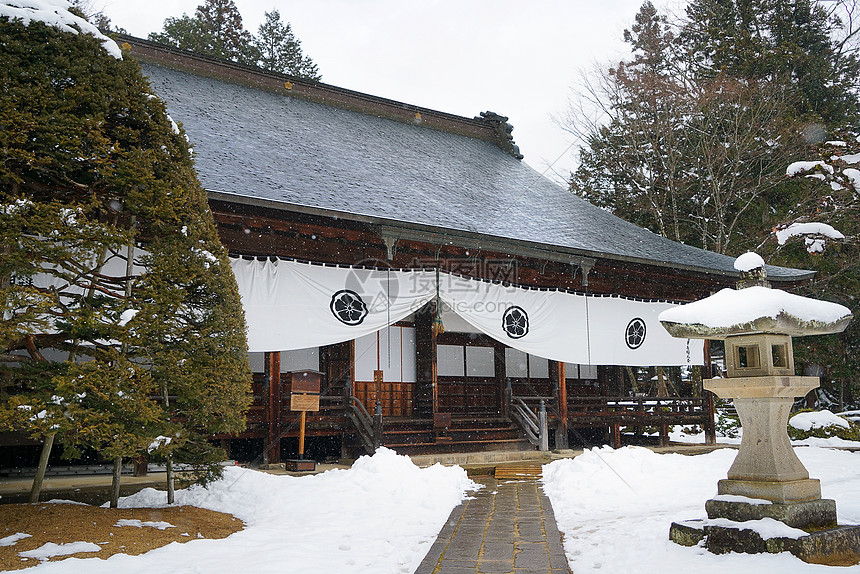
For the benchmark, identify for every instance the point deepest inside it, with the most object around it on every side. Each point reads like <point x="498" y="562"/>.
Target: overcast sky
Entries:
<point x="513" y="57"/>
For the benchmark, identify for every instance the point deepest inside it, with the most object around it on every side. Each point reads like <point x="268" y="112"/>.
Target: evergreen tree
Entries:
<point x="687" y="157"/>
<point x="831" y="182"/>
<point x="216" y="30"/>
<point x="113" y="284"/>
<point x="792" y="44"/>
<point x="698" y="133"/>
<point x="280" y="51"/>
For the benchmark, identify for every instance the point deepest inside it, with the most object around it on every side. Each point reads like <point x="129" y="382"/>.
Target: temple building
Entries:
<point x="426" y="273"/>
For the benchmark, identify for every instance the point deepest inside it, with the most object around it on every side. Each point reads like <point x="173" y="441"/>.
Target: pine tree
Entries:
<point x="280" y="51"/>
<point x="831" y="184"/>
<point x="113" y="283"/>
<point x="229" y="38"/>
<point x="758" y="85"/>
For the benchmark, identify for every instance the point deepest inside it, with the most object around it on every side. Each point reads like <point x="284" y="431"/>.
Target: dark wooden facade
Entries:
<point x="408" y="408"/>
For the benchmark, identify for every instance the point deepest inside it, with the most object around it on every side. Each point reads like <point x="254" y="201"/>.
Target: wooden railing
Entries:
<point x="532" y="421"/>
<point x="637" y="409"/>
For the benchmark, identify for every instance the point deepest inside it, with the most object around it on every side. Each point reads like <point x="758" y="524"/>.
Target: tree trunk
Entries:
<point x="662" y="391"/>
<point x="165" y="398"/>
<point x="36" y="490"/>
<point x="117" y="473"/>
<point x="632" y="377"/>
<point x="170" y="484"/>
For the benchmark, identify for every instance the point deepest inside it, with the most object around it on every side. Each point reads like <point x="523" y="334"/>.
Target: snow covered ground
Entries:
<point x="615" y="507"/>
<point x="380" y="516"/>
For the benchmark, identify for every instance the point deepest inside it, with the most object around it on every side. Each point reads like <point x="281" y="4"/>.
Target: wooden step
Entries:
<point x="519" y="472"/>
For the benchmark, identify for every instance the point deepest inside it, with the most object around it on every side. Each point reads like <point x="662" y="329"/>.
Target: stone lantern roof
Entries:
<point x="757" y="309"/>
<point x="754" y="308"/>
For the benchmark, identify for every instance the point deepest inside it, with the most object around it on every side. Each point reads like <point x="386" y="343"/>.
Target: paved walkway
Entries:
<point x="508" y="526"/>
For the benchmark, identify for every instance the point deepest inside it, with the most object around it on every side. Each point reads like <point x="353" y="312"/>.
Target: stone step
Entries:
<point x="488" y="458"/>
<point x="519" y="472"/>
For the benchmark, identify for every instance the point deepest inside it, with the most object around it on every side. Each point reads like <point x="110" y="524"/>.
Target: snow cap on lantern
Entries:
<point x="754" y="308"/>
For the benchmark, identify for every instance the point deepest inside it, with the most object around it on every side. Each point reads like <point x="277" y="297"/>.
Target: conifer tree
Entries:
<point x="216" y="30"/>
<point x="113" y="284"/>
<point x="280" y="50"/>
<point x="701" y="122"/>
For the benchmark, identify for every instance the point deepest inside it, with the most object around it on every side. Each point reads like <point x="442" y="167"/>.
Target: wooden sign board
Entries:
<point x="304" y="402"/>
<point x="305" y="382"/>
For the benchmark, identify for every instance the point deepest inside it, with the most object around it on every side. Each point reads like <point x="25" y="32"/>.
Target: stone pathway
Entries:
<point x="508" y="526"/>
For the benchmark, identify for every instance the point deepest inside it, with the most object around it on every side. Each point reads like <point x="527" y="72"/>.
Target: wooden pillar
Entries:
<point x="710" y="425"/>
<point x="664" y="434"/>
<point x="708" y="400"/>
<point x="559" y="380"/>
<point x="500" y="368"/>
<point x="615" y="435"/>
<point x="272" y="449"/>
<point x="427" y="397"/>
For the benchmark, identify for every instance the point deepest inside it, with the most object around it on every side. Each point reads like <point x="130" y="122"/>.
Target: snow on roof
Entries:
<point x="730" y="308"/>
<point x="749" y="261"/>
<point x="795" y="229"/>
<point x="55" y="13"/>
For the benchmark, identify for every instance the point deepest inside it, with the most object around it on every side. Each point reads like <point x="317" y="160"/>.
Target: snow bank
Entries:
<point x="380" y="516"/>
<point x="55" y="13"/>
<point x="795" y="229"/>
<point x="730" y="307"/>
<point x="817" y="420"/>
<point x="614" y="508"/>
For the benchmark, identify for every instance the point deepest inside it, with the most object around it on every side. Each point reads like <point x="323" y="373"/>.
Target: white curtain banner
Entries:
<point x="292" y="305"/>
<point x="627" y="332"/>
<point x="550" y="324"/>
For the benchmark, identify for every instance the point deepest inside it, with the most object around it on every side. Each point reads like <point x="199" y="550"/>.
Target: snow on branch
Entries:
<point x="815" y="235"/>
<point x="55" y="13"/>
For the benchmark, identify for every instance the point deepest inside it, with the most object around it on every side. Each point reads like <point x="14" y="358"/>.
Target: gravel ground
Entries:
<point x="66" y="523"/>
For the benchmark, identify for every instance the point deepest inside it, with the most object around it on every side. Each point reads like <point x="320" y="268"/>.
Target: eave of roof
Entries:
<point x="398" y="229"/>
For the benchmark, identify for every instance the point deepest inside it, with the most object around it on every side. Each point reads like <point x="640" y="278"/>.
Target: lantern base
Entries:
<point x="780" y="492"/>
<point x="819" y="513"/>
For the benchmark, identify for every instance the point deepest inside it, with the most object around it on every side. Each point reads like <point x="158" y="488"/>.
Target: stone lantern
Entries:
<point x="766" y="480"/>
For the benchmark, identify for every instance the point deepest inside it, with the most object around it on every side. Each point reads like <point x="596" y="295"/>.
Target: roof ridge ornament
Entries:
<point x="503" y="129"/>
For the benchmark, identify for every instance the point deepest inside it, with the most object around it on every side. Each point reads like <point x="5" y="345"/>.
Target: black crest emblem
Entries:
<point x="515" y="322"/>
<point x="348" y="307"/>
<point x="634" y="335"/>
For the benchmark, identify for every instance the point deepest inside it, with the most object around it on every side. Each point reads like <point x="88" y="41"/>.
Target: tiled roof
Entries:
<point x="268" y="146"/>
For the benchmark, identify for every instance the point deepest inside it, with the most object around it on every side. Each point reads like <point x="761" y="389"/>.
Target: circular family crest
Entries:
<point x="348" y="307"/>
<point x="515" y="322"/>
<point x="634" y="335"/>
